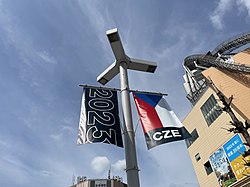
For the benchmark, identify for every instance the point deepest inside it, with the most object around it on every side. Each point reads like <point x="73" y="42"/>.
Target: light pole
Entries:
<point x="122" y="64"/>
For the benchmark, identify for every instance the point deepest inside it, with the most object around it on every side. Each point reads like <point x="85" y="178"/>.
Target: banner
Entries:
<point x="159" y="122"/>
<point x="234" y="149"/>
<point x="222" y="169"/>
<point x="99" y="119"/>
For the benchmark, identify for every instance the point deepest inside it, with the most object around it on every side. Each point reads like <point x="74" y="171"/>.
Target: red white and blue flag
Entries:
<point x="159" y="122"/>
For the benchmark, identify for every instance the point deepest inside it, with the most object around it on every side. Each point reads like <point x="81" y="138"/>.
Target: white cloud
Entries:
<point x="120" y="165"/>
<point x="4" y="143"/>
<point x="14" y="38"/>
<point x="57" y="137"/>
<point x="11" y="168"/>
<point x="218" y="14"/>
<point x="68" y="121"/>
<point x="216" y="21"/>
<point x="67" y="129"/>
<point x="99" y="18"/>
<point x="244" y="4"/>
<point x="46" y="57"/>
<point x="46" y="173"/>
<point x="225" y="6"/>
<point x="25" y="47"/>
<point x="62" y="131"/>
<point x="100" y="164"/>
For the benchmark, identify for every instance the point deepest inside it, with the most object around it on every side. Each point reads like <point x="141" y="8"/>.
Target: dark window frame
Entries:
<point x="197" y="157"/>
<point x="208" y="168"/>
<point x="193" y="138"/>
<point x="210" y="110"/>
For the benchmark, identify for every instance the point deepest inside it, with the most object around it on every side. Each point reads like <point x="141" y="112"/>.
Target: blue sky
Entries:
<point x="49" y="47"/>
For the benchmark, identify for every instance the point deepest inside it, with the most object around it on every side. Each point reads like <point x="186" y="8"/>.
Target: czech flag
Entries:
<point x="159" y="122"/>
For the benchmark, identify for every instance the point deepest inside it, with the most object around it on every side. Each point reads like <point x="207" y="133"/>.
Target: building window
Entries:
<point x="210" y="110"/>
<point x="208" y="167"/>
<point x="100" y="185"/>
<point x="194" y="136"/>
<point x="197" y="157"/>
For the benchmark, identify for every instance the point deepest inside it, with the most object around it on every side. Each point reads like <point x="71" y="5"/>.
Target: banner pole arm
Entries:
<point x="117" y="89"/>
<point x="150" y="93"/>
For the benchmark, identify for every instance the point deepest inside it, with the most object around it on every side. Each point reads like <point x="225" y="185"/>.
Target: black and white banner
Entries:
<point x="99" y="118"/>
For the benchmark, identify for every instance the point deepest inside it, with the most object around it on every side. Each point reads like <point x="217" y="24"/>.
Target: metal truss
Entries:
<point x="220" y="57"/>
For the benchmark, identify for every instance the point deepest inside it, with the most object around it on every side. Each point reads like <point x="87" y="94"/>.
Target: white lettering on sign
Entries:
<point x="165" y="134"/>
<point x="234" y="143"/>
<point x="100" y="117"/>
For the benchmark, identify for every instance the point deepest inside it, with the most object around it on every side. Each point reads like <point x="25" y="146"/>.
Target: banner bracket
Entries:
<point x="117" y="89"/>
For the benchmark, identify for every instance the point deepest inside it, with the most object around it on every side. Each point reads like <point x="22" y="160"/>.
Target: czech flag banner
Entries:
<point x="159" y="122"/>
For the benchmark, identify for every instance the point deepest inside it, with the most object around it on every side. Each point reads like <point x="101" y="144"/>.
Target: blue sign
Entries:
<point x="234" y="147"/>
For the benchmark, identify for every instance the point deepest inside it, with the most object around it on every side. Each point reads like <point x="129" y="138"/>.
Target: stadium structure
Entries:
<point x="83" y="181"/>
<point x="217" y="148"/>
<point x="220" y="57"/>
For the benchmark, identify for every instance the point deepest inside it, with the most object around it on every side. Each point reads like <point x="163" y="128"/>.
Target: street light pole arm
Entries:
<point x="108" y="74"/>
